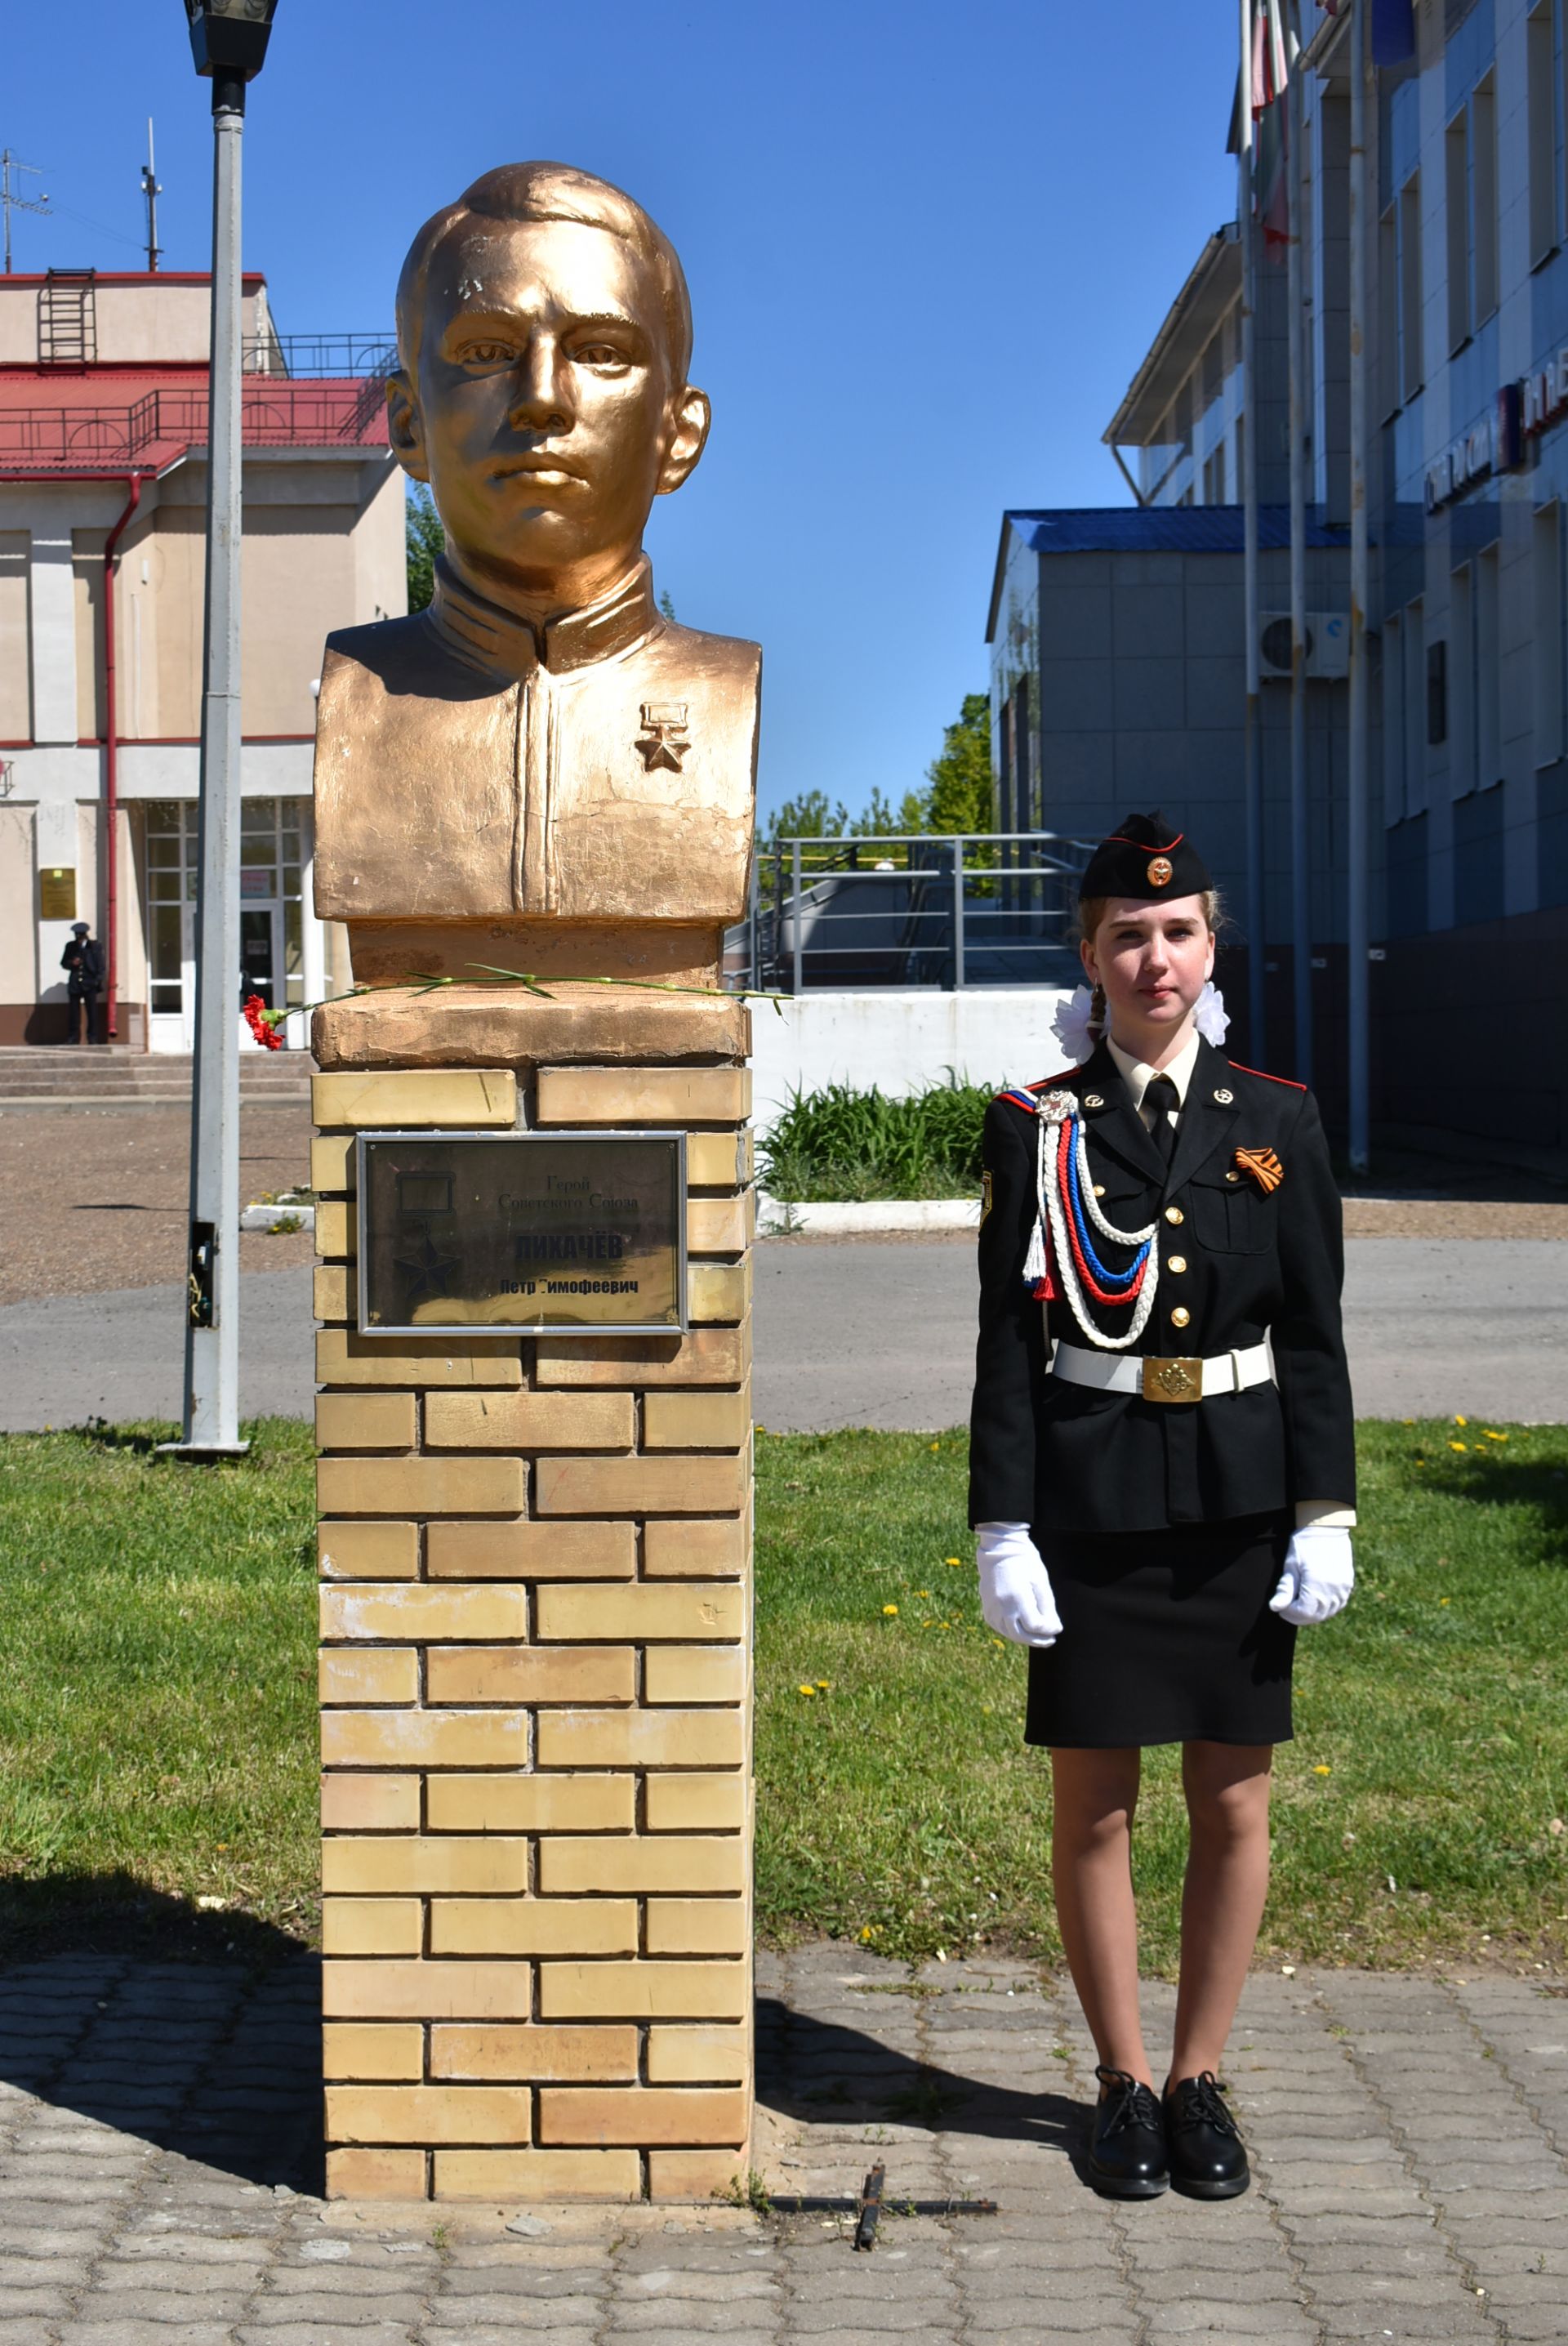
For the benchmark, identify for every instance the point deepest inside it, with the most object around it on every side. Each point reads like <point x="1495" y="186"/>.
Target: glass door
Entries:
<point x="171" y="924"/>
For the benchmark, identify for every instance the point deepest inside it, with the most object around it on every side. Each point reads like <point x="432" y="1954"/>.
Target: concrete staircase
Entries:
<point x="108" y="1074"/>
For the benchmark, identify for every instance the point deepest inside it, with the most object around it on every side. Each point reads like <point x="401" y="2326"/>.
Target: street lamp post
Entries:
<point x="229" y="40"/>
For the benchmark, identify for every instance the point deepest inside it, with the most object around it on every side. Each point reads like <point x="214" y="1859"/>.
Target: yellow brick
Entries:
<point x="714" y="1160"/>
<point x="524" y="1551"/>
<point x="527" y="1804"/>
<point x="422" y="1990"/>
<point x="696" y="2056"/>
<point x="642" y="1095"/>
<point x="415" y="1096"/>
<point x="702" y="1803"/>
<point x="424" y="1864"/>
<point x="381" y="2174"/>
<point x="380" y="1675"/>
<point x="529" y="1421"/>
<point x="639" y="1864"/>
<point x="533" y="1926"/>
<point x="721" y="1225"/>
<point x="697" y="2176"/>
<point x="372" y="1804"/>
<point x="449" y="1738"/>
<point x="641" y="1487"/>
<point x="548" y="2055"/>
<point x="644" y="1991"/>
<point x="696" y="1551"/>
<point x="622" y="1738"/>
<point x="422" y="1613"/>
<point x="717" y="1290"/>
<point x="372" y="1926"/>
<point x="369" y="1551"/>
<point x="337" y="1228"/>
<point x="428" y="2114"/>
<point x="693" y="1674"/>
<point x="420" y="1486"/>
<point x="697" y="1926"/>
<point x="344" y="1359"/>
<point x="576" y="1610"/>
<point x="333" y="1165"/>
<point x="333" y="1292"/>
<point x="696" y="1421"/>
<point x="369" y="1421"/>
<point x="602" y="2115"/>
<point x="705" y="1356"/>
<point x="530" y="1673"/>
<point x="360" y="2049"/>
<point x="537" y="2175"/>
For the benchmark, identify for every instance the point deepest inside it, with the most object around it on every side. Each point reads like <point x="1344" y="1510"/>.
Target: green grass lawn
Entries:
<point x="157" y="1732"/>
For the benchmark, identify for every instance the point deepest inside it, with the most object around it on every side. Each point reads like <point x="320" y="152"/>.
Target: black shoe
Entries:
<point x="1127" y="2151"/>
<point x="1209" y="2159"/>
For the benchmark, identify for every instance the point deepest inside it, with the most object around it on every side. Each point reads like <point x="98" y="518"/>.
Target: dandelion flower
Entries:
<point x="936" y="1446"/>
<point x="958" y="1560"/>
<point x="1493" y="1435"/>
<point x="923" y="1592"/>
<point x="1322" y="1769"/>
<point x="823" y="1684"/>
<point x="889" y="1612"/>
<point x="1445" y="1600"/>
<point x="805" y="1689"/>
<point x="1456" y="1445"/>
<point x="1461" y="1421"/>
<point x="999" y="1641"/>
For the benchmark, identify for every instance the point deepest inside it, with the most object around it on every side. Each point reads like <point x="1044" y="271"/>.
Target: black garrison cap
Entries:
<point x="1146" y="860"/>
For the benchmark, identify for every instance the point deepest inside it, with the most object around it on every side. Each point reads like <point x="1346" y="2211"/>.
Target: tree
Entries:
<point x="423" y="539"/>
<point x="962" y="796"/>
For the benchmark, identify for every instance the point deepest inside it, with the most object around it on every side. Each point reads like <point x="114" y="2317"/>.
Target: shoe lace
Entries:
<point x="1130" y="2102"/>
<point x="1196" y="2101"/>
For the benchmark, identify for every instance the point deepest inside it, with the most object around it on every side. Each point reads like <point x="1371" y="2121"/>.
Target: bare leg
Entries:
<point x="1096" y="1793"/>
<point x="1226" y="1787"/>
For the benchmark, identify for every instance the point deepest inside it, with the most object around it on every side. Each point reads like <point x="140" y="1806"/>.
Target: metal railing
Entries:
<point x="280" y="414"/>
<point x="956" y="910"/>
<point x="300" y="356"/>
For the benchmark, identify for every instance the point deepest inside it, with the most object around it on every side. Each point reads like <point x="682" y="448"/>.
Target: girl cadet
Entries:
<point x="1162" y="1470"/>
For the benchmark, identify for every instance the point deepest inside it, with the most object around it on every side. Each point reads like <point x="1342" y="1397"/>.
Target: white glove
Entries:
<point x="1014" y="1586"/>
<point x="1318" y="1578"/>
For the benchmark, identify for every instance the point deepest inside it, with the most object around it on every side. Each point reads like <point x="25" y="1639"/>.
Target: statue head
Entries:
<point x="544" y="335"/>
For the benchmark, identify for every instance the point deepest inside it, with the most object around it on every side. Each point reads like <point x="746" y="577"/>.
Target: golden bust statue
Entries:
<point x="540" y="757"/>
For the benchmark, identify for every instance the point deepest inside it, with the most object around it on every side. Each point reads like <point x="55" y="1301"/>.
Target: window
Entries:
<point x="1542" y="129"/>
<point x="1461" y="744"/>
<point x="1456" y="199"/>
<point x="1487" y="672"/>
<point x="171" y="861"/>
<point x="1547" y="599"/>
<point x="1413" y="373"/>
<point x="1393" y="722"/>
<point x="1388" y="384"/>
<point x="1484" y="271"/>
<point x="1413" y="633"/>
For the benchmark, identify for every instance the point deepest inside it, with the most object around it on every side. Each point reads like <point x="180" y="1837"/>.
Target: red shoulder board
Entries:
<point x="1023" y="1094"/>
<point x="1289" y="1083"/>
<point x="1048" y="1082"/>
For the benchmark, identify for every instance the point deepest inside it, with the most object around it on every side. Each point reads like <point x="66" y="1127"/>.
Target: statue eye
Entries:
<point x="601" y="354"/>
<point x="487" y="354"/>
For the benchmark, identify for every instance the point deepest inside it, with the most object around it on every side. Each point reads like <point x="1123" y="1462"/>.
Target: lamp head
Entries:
<point x="229" y="37"/>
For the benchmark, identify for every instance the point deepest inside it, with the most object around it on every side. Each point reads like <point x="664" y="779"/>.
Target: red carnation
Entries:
<point x="258" y="1019"/>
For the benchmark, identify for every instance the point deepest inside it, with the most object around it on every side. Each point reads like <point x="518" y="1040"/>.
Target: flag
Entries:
<point x="1269" y="69"/>
<point x="1394" y="31"/>
<point x="1272" y="205"/>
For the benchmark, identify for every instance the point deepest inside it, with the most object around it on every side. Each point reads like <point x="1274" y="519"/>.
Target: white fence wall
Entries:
<point x="899" y="1041"/>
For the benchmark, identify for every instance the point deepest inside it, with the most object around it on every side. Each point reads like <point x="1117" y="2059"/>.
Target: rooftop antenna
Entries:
<point x="151" y="190"/>
<point x="11" y="202"/>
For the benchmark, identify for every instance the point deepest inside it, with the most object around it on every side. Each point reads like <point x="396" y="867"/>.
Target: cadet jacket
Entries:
<point x="1239" y="1261"/>
<point x="84" y="957"/>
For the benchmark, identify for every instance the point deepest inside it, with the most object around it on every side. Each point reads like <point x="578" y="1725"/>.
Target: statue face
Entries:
<point x="544" y="415"/>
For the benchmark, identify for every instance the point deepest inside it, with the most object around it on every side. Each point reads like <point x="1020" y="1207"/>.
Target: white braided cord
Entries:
<point x="1053" y="1212"/>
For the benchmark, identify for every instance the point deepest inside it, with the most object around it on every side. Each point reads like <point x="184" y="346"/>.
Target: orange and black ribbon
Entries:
<point x="1263" y="1166"/>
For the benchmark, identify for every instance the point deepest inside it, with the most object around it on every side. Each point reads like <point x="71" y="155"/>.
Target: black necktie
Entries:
<point x="1162" y="1095"/>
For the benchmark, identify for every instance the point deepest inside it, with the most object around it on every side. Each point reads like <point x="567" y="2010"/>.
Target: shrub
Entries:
<point x="842" y="1143"/>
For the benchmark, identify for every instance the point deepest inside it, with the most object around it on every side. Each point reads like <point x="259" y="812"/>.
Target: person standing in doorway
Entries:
<point x="1162" y="1468"/>
<point x="83" y="961"/>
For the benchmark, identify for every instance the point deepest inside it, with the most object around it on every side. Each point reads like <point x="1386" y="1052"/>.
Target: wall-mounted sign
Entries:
<point x="1492" y="445"/>
<point x="528" y="1231"/>
<point x="255" y="880"/>
<point x="58" y="894"/>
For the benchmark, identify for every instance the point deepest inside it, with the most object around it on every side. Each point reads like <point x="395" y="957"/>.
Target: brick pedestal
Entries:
<point x="535" y="1660"/>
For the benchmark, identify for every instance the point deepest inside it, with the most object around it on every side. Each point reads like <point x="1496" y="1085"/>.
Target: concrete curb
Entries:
<point x="780" y="1217"/>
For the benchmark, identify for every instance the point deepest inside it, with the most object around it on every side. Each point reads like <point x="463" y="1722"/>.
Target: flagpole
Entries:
<point x="1255" y="945"/>
<point x="1300" y="841"/>
<point x="1359" y="927"/>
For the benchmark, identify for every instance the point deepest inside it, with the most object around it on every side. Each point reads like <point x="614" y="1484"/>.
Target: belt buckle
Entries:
<point x="1172" y="1379"/>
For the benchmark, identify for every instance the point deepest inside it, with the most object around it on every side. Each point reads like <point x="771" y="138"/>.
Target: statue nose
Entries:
<point x="540" y="400"/>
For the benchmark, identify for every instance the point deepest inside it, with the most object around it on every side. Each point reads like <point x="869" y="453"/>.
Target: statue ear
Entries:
<point x="404" y="427"/>
<point x="692" y="414"/>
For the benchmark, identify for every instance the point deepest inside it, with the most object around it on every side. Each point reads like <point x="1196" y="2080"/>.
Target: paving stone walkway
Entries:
<point x="160" y="2158"/>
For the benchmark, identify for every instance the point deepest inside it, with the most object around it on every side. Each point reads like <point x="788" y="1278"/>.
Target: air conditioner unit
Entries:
<point x="1328" y="644"/>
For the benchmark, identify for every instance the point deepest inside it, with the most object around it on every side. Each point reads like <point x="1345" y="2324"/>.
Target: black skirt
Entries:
<point x="1166" y="1637"/>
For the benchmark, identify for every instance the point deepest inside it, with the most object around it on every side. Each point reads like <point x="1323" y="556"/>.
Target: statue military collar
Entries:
<point x="485" y="636"/>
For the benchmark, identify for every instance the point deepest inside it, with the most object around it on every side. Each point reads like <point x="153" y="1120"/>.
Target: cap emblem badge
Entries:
<point x="1160" y="870"/>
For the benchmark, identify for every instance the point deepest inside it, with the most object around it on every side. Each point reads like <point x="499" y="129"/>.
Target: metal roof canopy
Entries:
<point x="1214" y="284"/>
<point x="1150" y="529"/>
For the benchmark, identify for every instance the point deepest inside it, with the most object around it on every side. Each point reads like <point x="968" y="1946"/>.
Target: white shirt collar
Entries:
<point x="1137" y="1076"/>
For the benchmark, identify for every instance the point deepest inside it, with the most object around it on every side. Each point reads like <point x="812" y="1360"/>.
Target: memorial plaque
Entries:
<point x="58" y="894"/>
<point x="536" y="1232"/>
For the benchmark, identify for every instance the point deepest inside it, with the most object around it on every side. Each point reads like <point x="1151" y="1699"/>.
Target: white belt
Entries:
<point x="1158" y="1377"/>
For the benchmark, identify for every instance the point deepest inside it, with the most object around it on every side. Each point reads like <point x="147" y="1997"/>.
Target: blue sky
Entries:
<point x="927" y="248"/>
